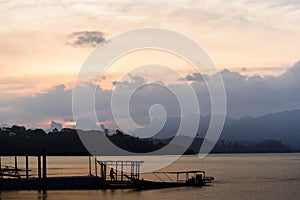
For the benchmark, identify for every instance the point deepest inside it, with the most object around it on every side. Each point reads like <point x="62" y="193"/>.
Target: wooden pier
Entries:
<point x="14" y="178"/>
<point x="107" y="175"/>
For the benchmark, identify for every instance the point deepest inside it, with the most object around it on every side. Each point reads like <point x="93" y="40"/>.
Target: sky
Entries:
<point x="44" y="43"/>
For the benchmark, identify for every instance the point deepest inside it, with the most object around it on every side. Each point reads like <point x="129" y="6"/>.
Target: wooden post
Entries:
<point x="26" y="162"/>
<point x="16" y="164"/>
<point x="39" y="167"/>
<point x="138" y="169"/>
<point x="44" y="165"/>
<point x="122" y="168"/>
<point x="131" y="169"/>
<point x="90" y="167"/>
<point x="116" y="170"/>
<point x="44" y="186"/>
<point x="101" y="170"/>
<point x="105" y="172"/>
<point x="96" y="172"/>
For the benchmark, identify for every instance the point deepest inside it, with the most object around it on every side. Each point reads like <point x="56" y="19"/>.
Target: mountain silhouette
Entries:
<point x="283" y="126"/>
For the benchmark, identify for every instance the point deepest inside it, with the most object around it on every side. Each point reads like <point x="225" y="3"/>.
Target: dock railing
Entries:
<point x="122" y="170"/>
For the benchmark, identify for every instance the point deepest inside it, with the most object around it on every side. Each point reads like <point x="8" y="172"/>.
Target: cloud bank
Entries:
<point x="246" y="96"/>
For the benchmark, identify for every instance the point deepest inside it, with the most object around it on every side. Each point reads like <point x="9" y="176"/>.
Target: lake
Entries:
<point x="237" y="176"/>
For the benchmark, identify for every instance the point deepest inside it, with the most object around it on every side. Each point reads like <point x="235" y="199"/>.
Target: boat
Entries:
<point x="192" y="178"/>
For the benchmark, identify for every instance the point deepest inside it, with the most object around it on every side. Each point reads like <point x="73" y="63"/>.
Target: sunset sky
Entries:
<point x="43" y="43"/>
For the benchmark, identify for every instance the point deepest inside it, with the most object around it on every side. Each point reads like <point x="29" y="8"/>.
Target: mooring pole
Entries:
<point x="26" y="162"/>
<point x="44" y="164"/>
<point x="96" y="171"/>
<point x="39" y="167"/>
<point x="90" y="166"/>
<point x="16" y="164"/>
<point x="104" y="170"/>
<point x="44" y="169"/>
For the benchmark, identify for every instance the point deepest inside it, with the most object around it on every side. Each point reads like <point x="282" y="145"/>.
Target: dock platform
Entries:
<point x="111" y="176"/>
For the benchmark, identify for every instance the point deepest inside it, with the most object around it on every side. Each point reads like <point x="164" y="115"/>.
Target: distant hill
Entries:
<point x="283" y="126"/>
<point x="55" y="125"/>
<point x="276" y="132"/>
<point x="18" y="140"/>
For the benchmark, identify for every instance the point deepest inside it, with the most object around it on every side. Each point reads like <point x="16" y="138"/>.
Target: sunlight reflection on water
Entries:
<point x="240" y="176"/>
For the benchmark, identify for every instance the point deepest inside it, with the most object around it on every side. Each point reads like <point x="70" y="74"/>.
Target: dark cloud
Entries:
<point x="87" y="38"/>
<point x="253" y="96"/>
<point x="194" y="77"/>
<point x="258" y="95"/>
<point x="133" y="80"/>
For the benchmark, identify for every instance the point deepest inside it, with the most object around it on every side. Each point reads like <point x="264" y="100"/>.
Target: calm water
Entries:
<point x="251" y="176"/>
